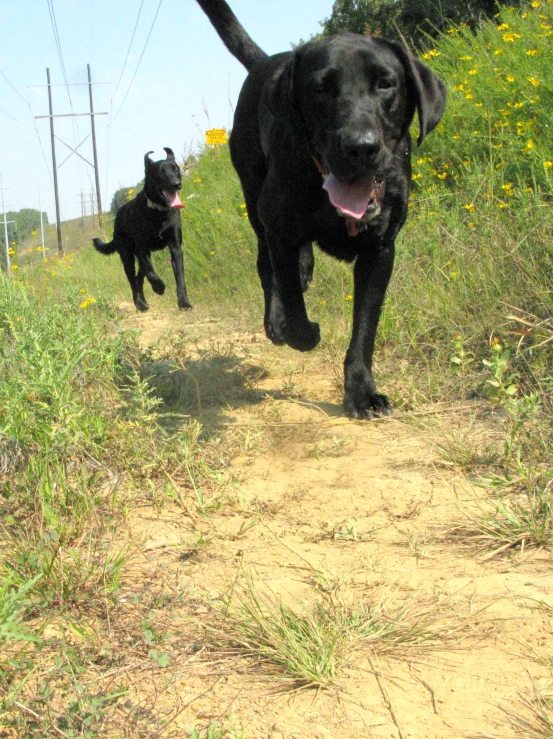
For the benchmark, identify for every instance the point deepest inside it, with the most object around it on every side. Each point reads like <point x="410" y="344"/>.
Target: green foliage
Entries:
<point x="26" y="220"/>
<point x="414" y="20"/>
<point x="12" y="603"/>
<point x="123" y="195"/>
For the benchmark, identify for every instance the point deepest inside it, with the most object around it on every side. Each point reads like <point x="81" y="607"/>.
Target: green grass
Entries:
<point x="307" y="647"/>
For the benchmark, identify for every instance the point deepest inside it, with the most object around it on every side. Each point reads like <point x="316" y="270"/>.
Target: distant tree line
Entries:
<point x="26" y="220"/>
<point x="415" y="20"/>
<point x="123" y="195"/>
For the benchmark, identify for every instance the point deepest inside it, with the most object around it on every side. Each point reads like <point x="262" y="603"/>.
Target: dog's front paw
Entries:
<point x="158" y="286"/>
<point x="361" y="405"/>
<point x="185" y="305"/>
<point x="141" y="305"/>
<point x="303" y="338"/>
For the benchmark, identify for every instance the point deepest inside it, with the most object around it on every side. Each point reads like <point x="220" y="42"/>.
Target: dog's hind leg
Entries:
<point x="136" y="281"/>
<point x="140" y="290"/>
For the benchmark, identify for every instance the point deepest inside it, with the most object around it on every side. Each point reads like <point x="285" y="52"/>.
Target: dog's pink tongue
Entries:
<point x="176" y="202"/>
<point x="350" y="199"/>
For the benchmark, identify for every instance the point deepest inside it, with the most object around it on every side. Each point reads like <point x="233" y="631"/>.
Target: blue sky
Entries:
<point x="185" y="73"/>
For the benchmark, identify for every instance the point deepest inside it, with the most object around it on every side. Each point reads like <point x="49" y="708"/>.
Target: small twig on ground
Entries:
<point x="182" y="501"/>
<point x="36" y="716"/>
<point x="385" y="695"/>
<point x="183" y="708"/>
<point x="312" y="568"/>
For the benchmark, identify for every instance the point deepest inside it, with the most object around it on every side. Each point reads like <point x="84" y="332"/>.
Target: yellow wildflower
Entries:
<point x="87" y="302"/>
<point x="14" y="267"/>
<point x="348" y="297"/>
<point x="548" y="165"/>
<point x="529" y="146"/>
<point x="510" y="78"/>
<point x="531" y="52"/>
<point x="469" y="207"/>
<point x="503" y="27"/>
<point x="511" y="37"/>
<point x="534" y="81"/>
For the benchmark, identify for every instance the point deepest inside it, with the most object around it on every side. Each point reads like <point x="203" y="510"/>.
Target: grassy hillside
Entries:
<point x="468" y="315"/>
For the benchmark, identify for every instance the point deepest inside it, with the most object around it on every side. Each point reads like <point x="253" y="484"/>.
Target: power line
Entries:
<point x="57" y="39"/>
<point x="15" y="119"/>
<point x="138" y="65"/>
<point x="109" y="124"/>
<point x="28" y="104"/>
<point x="129" y="49"/>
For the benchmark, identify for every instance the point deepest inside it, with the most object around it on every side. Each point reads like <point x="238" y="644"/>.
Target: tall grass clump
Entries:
<point x="78" y="430"/>
<point x="478" y="235"/>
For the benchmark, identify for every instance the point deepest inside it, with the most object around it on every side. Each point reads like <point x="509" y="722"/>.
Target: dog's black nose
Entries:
<point x="361" y="145"/>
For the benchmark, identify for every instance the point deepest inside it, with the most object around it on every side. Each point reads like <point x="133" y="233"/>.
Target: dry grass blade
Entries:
<point x="532" y="328"/>
<point x="535" y="721"/>
<point x="497" y="526"/>
<point x="308" y="645"/>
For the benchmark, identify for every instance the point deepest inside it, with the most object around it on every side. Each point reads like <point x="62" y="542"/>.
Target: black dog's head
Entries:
<point x="354" y="97"/>
<point x="163" y="180"/>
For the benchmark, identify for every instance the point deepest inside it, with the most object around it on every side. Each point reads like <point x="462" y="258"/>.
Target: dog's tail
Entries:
<point x="104" y="248"/>
<point x="232" y="33"/>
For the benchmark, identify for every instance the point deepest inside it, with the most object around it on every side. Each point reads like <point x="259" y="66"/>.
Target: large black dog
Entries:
<point x="321" y="144"/>
<point x="148" y="223"/>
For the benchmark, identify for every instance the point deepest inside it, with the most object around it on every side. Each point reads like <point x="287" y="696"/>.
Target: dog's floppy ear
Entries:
<point x="147" y="161"/>
<point x="280" y="93"/>
<point x="430" y="99"/>
<point x="428" y="91"/>
<point x="169" y="152"/>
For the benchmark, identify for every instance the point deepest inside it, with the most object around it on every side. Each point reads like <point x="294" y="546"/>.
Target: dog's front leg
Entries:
<point x="177" y="263"/>
<point x="372" y="272"/>
<point x="299" y="332"/>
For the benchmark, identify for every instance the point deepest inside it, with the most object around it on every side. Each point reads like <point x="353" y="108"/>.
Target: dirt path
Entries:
<point x="317" y="508"/>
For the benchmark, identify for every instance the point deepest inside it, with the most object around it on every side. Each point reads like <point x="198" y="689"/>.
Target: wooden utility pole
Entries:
<point x="7" y="244"/>
<point x="96" y="173"/>
<point x="54" y="166"/>
<point x="73" y="150"/>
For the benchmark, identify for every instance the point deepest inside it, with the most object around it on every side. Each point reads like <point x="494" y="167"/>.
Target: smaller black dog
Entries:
<point x="148" y="223"/>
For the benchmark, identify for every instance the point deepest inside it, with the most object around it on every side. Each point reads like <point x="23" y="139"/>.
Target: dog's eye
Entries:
<point x="384" y="84"/>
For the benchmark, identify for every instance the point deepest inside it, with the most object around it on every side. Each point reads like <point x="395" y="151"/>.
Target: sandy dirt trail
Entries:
<point x="319" y="507"/>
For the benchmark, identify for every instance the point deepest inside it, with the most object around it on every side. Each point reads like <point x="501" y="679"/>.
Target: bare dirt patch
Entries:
<point x="317" y="509"/>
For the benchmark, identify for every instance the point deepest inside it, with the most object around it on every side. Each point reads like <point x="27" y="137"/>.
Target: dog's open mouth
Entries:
<point x="360" y="200"/>
<point x="174" y="200"/>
